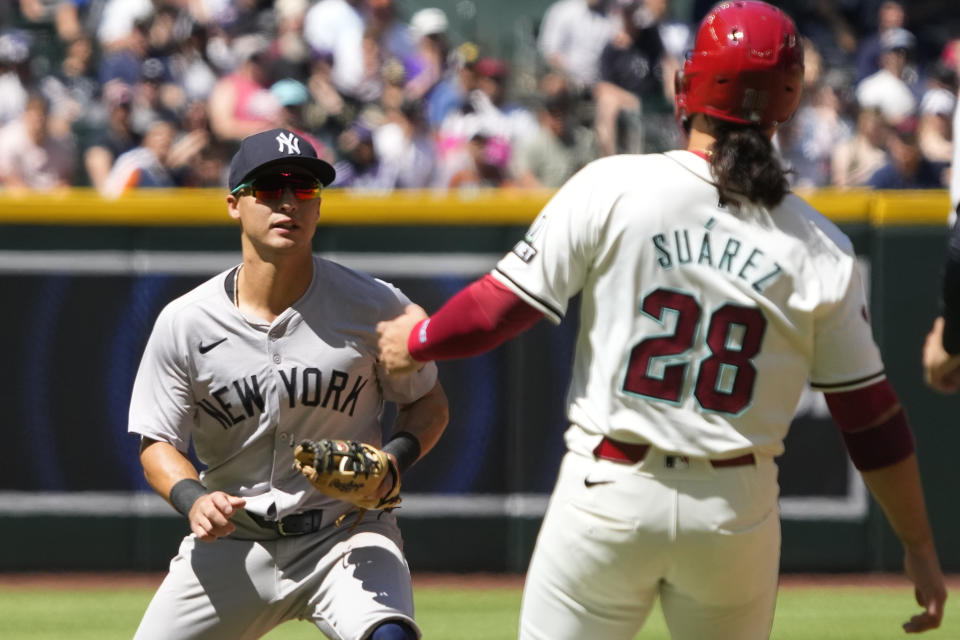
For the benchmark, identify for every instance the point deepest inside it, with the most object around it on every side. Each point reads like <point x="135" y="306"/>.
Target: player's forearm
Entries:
<point x="164" y="466"/>
<point x="426" y="418"/>
<point x="898" y="490"/>
<point x="951" y="297"/>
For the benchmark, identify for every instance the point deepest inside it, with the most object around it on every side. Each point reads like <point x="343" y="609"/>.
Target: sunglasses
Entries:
<point x="271" y="187"/>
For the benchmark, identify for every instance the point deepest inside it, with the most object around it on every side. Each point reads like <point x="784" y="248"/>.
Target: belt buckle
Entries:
<point x="280" y="528"/>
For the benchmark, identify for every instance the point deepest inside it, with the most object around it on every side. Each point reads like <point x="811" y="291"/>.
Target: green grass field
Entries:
<point x="446" y="613"/>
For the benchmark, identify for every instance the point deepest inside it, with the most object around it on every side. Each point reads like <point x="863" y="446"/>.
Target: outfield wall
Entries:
<point x="84" y="278"/>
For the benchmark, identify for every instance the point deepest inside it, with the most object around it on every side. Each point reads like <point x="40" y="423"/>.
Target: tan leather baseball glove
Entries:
<point x="348" y="470"/>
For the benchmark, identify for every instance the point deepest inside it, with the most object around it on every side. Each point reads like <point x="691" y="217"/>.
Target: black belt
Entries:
<point x="296" y="524"/>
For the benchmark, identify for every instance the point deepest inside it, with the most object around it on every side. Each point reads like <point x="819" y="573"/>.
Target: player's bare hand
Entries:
<point x="941" y="370"/>
<point x="393" y="334"/>
<point x="923" y="569"/>
<point x="210" y="515"/>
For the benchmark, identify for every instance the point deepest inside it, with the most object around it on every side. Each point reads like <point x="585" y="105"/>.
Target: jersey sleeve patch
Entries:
<point x="525" y="251"/>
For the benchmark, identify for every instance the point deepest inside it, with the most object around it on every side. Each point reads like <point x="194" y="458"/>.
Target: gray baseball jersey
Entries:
<point x="247" y="391"/>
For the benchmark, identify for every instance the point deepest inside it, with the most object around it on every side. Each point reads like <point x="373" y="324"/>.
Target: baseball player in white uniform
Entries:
<point x="277" y="350"/>
<point x="710" y="296"/>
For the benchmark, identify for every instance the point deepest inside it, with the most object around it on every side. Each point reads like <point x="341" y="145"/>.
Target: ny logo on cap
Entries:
<point x="290" y="141"/>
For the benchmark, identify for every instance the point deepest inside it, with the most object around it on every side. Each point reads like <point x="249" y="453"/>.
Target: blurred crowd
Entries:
<point x="128" y="94"/>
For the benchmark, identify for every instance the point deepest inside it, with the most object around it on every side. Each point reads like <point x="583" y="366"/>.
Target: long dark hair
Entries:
<point x="744" y="162"/>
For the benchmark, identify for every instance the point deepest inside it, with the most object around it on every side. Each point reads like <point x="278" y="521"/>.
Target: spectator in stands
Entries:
<point x="950" y="56"/>
<point x="327" y="113"/>
<point x="115" y="137"/>
<point x="209" y="167"/>
<point x="33" y="10"/>
<point x="67" y="16"/>
<point x="288" y="53"/>
<point x="241" y="103"/>
<point x="491" y="105"/>
<point x="30" y="157"/>
<point x="481" y="164"/>
<point x="392" y="34"/>
<point x="123" y="60"/>
<point x="122" y="24"/>
<point x="481" y="135"/>
<point x="428" y="29"/>
<point x="935" y="128"/>
<point x="906" y="168"/>
<point x="293" y="97"/>
<point x="72" y="17"/>
<point x="393" y="81"/>
<point x="235" y="17"/>
<point x="369" y="87"/>
<point x="15" y="77"/>
<point x="162" y="37"/>
<point x="155" y="96"/>
<point x="855" y="160"/>
<point x="936" y="110"/>
<point x="359" y="166"/>
<point x="561" y="146"/>
<point x="157" y="162"/>
<point x="573" y="35"/>
<point x="631" y="88"/>
<point x="336" y="27"/>
<point x="72" y="89"/>
<point x="405" y="147"/>
<point x="890" y="15"/>
<point x="449" y="95"/>
<point x="886" y="89"/>
<point x="808" y="139"/>
<point x="189" y="67"/>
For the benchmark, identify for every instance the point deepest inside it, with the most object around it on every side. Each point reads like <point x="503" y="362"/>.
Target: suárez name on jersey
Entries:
<point x="233" y="403"/>
<point x="729" y="255"/>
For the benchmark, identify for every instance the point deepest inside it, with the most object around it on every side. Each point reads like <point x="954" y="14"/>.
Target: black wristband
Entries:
<point x="405" y="448"/>
<point x="185" y="493"/>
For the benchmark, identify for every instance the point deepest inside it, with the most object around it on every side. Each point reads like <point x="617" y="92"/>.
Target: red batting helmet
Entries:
<point x="746" y="66"/>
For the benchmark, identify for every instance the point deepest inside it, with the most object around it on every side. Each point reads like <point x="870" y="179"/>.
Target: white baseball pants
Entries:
<point x="705" y="540"/>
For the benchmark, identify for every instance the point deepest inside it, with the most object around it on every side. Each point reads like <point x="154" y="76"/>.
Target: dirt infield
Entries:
<point x="45" y="581"/>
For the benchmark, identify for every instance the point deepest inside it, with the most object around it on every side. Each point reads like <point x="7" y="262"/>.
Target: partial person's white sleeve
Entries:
<point x="411" y="387"/>
<point x="551" y="40"/>
<point x="845" y="354"/>
<point x="120" y="17"/>
<point x="161" y="405"/>
<point x="955" y="161"/>
<point x="408" y="388"/>
<point x="550" y="264"/>
<point x="347" y="70"/>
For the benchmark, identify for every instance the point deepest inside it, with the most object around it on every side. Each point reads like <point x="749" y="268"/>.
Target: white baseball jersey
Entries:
<point x="699" y="323"/>
<point x="247" y="391"/>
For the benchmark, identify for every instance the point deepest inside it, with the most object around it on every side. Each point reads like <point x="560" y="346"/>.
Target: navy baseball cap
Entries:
<point x="276" y="147"/>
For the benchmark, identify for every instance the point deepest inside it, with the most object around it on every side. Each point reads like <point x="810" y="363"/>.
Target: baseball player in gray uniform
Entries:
<point x="710" y="295"/>
<point x="277" y="350"/>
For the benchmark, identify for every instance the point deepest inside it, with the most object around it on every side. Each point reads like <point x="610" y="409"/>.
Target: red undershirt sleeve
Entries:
<point x="872" y="440"/>
<point x="481" y="317"/>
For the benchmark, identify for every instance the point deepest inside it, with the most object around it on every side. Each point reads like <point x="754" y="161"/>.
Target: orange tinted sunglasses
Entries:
<point x="271" y="186"/>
